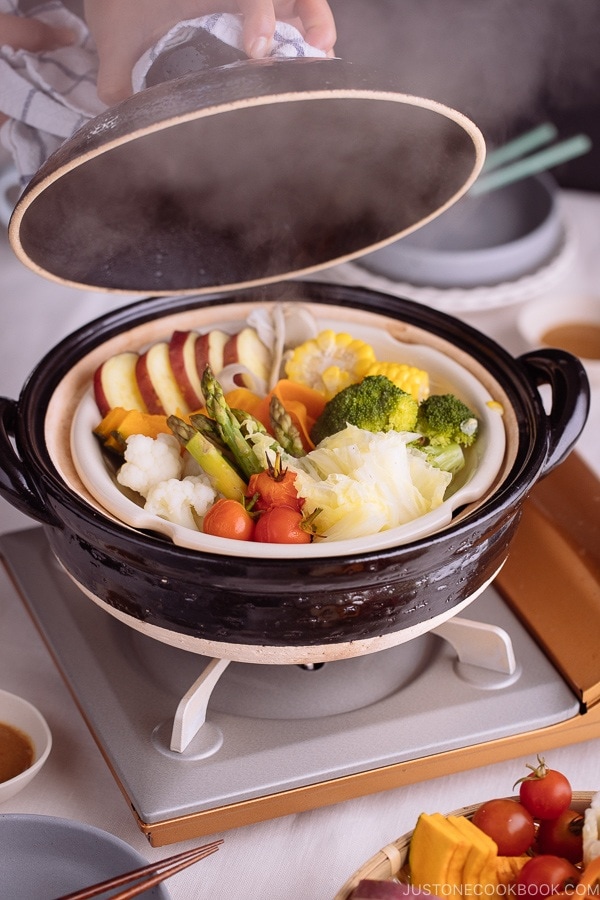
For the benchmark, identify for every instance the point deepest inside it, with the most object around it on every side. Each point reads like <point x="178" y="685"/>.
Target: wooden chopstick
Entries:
<point x="157" y="872"/>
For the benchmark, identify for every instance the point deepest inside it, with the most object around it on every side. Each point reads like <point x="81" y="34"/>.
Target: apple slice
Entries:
<point x="115" y="383"/>
<point x="246" y="349"/>
<point x="209" y="351"/>
<point x="182" y="356"/>
<point x="158" y="386"/>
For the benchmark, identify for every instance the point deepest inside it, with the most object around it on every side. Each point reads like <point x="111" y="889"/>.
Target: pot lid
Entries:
<point x="243" y="174"/>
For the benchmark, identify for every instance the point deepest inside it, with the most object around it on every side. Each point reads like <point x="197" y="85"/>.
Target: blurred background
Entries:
<point x="507" y="64"/>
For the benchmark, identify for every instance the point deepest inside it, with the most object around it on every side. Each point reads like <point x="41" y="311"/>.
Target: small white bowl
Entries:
<point x="22" y="715"/>
<point x="570" y="323"/>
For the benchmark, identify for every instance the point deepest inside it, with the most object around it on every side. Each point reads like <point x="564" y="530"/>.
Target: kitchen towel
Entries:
<point x="49" y="95"/>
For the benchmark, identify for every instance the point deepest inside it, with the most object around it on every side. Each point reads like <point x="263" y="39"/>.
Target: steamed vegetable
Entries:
<point x="223" y="476"/>
<point x="227" y="424"/>
<point x="149" y="461"/>
<point x="365" y="482"/>
<point x="449" y="457"/>
<point x="373" y="404"/>
<point x="411" y="379"/>
<point x="284" y="428"/>
<point x="444" y="419"/>
<point x="181" y="500"/>
<point x="119" y="424"/>
<point x="329" y="362"/>
<point x="155" y="469"/>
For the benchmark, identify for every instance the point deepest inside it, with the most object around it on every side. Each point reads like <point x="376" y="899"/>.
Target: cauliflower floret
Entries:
<point x="366" y="482"/>
<point x="148" y="461"/>
<point x="174" y="500"/>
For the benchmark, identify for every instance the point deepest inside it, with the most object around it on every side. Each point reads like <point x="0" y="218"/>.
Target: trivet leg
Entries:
<point x="191" y="711"/>
<point x="479" y="644"/>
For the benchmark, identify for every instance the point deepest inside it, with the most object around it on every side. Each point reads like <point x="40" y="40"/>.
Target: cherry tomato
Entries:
<point x="562" y="836"/>
<point x="274" y="487"/>
<point x="229" y="519"/>
<point x="508" y="823"/>
<point x="546" y="793"/>
<point x="281" y="525"/>
<point x="547" y="871"/>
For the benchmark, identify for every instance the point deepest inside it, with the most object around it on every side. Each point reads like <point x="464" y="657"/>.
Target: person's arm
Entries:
<point x="123" y="31"/>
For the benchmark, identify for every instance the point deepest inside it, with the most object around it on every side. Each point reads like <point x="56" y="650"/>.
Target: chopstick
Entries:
<point x="519" y="146"/>
<point x="531" y="165"/>
<point x="157" y="871"/>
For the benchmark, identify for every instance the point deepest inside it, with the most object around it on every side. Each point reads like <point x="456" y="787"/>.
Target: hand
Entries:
<point x="123" y="30"/>
<point x="312" y="18"/>
<point x="32" y="35"/>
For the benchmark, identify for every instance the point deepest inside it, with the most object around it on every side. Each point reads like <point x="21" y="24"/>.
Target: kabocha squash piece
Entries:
<point x="479" y="867"/>
<point x="136" y="422"/>
<point x="508" y="869"/>
<point x="437" y="851"/>
<point x="110" y="422"/>
<point x="119" y="424"/>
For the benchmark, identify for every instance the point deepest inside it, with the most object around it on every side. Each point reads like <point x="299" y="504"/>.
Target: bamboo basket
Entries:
<point x="388" y="863"/>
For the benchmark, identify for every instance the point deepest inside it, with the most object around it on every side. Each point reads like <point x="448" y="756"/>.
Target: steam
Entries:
<point x="497" y="61"/>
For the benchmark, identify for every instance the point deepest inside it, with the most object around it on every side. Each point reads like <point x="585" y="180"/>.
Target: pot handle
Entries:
<point x="16" y="485"/>
<point x="570" y="399"/>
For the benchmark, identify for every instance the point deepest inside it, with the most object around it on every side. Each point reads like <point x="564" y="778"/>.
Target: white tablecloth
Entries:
<point x="298" y="857"/>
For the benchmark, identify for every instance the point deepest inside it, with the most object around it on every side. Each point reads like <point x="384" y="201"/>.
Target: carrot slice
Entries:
<point x="303" y="404"/>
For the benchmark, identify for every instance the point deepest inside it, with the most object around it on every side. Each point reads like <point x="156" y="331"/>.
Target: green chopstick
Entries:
<point x="532" y="165"/>
<point x="520" y="146"/>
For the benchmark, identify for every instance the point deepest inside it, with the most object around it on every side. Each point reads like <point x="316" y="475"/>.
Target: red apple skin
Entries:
<point x="158" y="386"/>
<point x="182" y="356"/>
<point x="147" y="389"/>
<point x="115" y="383"/>
<point x="209" y="351"/>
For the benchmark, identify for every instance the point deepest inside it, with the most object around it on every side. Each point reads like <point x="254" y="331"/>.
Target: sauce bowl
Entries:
<point x="22" y="717"/>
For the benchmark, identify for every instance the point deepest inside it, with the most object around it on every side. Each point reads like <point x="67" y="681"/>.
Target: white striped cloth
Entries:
<point x="49" y="95"/>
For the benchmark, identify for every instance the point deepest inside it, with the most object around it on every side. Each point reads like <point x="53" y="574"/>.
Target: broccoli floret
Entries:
<point x="374" y="404"/>
<point x="448" y="457"/>
<point x="444" y="419"/>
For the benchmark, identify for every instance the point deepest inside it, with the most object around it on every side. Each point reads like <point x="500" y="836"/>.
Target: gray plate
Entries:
<point x="44" y="857"/>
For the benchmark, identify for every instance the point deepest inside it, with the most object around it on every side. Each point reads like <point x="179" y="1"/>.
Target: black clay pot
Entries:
<point x="278" y="611"/>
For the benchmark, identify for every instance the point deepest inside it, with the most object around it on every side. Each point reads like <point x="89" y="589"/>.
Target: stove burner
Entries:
<point x="284" y="692"/>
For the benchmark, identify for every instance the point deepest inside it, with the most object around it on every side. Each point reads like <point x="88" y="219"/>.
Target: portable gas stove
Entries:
<point x="199" y="746"/>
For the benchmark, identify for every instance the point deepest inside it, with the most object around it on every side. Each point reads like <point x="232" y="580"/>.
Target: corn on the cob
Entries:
<point x="409" y="378"/>
<point x="329" y="362"/>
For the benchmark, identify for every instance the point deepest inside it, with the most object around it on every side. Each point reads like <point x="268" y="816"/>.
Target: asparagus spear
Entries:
<point x="284" y="429"/>
<point x="245" y="417"/>
<point x="229" y="427"/>
<point x="222" y="474"/>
